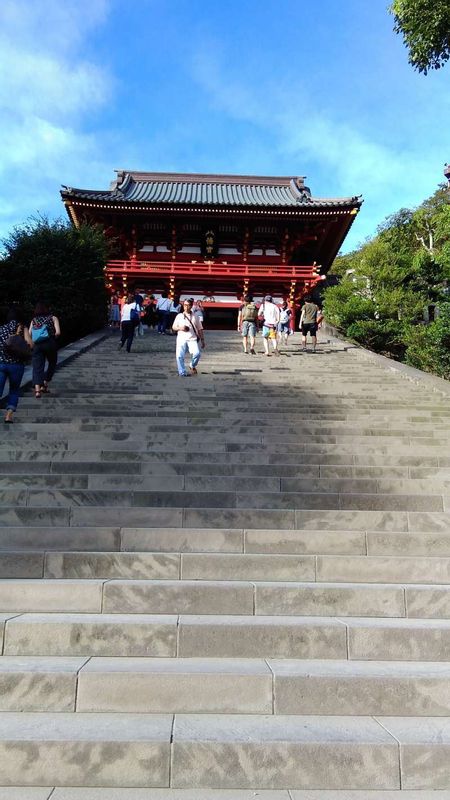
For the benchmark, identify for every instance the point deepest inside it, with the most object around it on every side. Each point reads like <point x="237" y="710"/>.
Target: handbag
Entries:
<point x="17" y="348"/>
<point x="135" y="314"/>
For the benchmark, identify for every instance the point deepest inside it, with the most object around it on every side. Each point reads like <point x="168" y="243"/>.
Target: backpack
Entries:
<point x="285" y="315"/>
<point x="39" y="332"/>
<point x="249" y="313"/>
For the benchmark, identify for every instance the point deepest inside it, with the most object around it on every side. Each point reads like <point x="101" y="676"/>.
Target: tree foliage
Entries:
<point x="428" y="347"/>
<point x="61" y="265"/>
<point x="394" y="283"/>
<point x="425" y="27"/>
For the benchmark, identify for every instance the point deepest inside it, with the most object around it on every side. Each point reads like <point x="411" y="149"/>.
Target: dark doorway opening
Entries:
<point x="221" y="318"/>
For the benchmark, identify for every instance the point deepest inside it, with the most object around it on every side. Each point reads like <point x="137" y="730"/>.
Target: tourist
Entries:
<point x="13" y="358"/>
<point x="139" y="299"/>
<point x="114" y="312"/>
<point x="190" y="337"/>
<point x="175" y="308"/>
<point x="149" y="312"/>
<point x="163" y="309"/>
<point x="44" y="331"/>
<point x="247" y="317"/>
<point x="197" y="309"/>
<point x="309" y="320"/>
<point x="270" y="315"/>
<point x="129" y="321"/>
<point x="284" y="325"/>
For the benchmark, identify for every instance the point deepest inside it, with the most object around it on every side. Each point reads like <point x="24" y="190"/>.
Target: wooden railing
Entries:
<point x="214" y="269"/>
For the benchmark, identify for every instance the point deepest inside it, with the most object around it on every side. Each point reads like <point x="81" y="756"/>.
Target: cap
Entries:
<point x="268" y="297"/>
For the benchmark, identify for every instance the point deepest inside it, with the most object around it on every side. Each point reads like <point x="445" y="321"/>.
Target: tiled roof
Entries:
<point x="167" y="189"/>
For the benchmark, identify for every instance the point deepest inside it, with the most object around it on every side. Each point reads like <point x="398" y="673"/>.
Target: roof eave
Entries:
<point x="347" y="204"/>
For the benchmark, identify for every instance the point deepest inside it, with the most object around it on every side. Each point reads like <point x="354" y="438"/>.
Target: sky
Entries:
<point x="317" y="88"/>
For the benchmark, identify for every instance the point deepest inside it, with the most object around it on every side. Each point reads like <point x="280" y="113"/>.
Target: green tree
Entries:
<point x="425" y="27"/>
<point x="61" y="265"/>
<point x="393" y="280"/>
<point x="428" y="346"/>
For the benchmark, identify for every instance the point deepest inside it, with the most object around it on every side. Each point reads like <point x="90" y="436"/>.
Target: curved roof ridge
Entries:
<point x="204" y="177"/>
<point x="211" y="190"/>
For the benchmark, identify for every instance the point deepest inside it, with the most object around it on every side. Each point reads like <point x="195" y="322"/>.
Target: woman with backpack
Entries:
<point x="248" y="314"/>
<point x="44" y="330"/>
<point x="15" y="344"/>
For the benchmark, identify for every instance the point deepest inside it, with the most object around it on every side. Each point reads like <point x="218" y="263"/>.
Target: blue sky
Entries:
<point x="269" y="87"/>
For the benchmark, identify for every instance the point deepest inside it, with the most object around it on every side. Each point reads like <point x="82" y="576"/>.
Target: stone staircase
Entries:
<point x="230" y="587"/>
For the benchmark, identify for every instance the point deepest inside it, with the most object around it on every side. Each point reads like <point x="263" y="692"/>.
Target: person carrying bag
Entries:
<point x="44" y="331"/>
<point x="190" y="335"/>
<point x="15" y="351"/>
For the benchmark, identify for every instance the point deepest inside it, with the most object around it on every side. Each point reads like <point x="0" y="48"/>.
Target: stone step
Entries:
<point x="227" y="426"/>
<point x="386" y="568"/>
<point x="173" y="436"/>
<point x="374" y="543"/>
<point x="387" y="476"/>
<point x="40" y="539"/>
<point x="189" y="566"/>
<point x="137" y="498"/>
<point x="256" y="687"/>
<point x="262" y="599"/>
<point x="198" y="596"/>
<point x="268" y="564"/>
<point x="284" y="519"/>
<point x="224" y="566"/>
<point x="72" y="793"/>
<point x="277" y="542"/>
<point x="111" y="539"/>
<point x="138" y="447"/>
<point x="85" y="749"/>
<point x="55" y="454"/>
<point x="67" y="793"/>
<point x="175" y="420"/>
<point x="216" y="483"/>
<point x="268" y="752"/>
<point x="224" y="686"/>
<point x="59" y="634"/>
<point x="226" y="636"/>
<point x="38" y="684"/>
<point x="309" y="752"/>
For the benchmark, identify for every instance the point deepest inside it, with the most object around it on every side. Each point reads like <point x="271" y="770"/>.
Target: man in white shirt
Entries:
<point x="190" y="337"/>
<point x="270" y="314"/>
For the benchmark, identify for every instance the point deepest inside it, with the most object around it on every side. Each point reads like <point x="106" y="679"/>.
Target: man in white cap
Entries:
<point x="270" y="315"/>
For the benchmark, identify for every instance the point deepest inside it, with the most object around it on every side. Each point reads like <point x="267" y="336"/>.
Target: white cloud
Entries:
<point x="47" y="91"/>
<point x="343" y="156"/>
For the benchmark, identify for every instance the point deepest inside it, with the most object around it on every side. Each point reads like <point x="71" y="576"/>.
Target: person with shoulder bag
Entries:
<point x="15" y="351"/>
<point x="247" y="318"/>
<point x="130" y="316"/>
<point x="44" y="331"/>
<point x="190" y="337"/>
